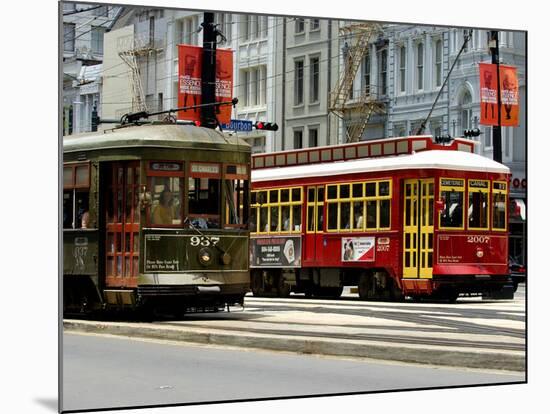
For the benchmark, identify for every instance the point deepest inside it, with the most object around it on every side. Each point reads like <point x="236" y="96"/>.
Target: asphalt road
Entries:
<point x="101" y="372"/>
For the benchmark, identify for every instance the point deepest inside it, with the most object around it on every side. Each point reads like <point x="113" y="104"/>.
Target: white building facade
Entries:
<point x="84" y="26"/>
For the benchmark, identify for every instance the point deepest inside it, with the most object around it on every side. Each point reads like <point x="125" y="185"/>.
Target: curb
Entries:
<point x="430" y="355"/>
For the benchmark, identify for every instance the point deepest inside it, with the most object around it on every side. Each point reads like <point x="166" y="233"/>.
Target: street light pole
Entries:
<point x="208" y="113"/>
<point x="495" y="59"/>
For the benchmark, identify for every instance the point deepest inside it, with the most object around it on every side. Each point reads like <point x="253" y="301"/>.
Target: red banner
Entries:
<point x="509" y="95"/>
<point x="189" y="92"/>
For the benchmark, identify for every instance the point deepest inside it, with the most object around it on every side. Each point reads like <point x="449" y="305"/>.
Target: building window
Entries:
<point x="399" y="129"/>
<point x="190" y="31"/>
<point x="488" y="137"/>
<point x="465" y="34"/>
<point x="253" y="86"/>
<point x="298" y="82"/>
<point x="263" y="26"/>
<point x="438" y="63"/>
<point x="314" y="25"/>
<point x="420" y="66"/>
<point x="402" y="68"/>
<point x="313" y="135"/>
<point x="298" y="135"/>
<point x="466" y="111"/>
<point x="224" y="22"/>
<point x="299" y="26"/>
<point x="366" y="73"/>
<point x="382" y="72"/>
<point x="68" y="37"/>
<point x="97" y="39"/>
<point x="314" y="79"/>
<point x="102" y="11"/>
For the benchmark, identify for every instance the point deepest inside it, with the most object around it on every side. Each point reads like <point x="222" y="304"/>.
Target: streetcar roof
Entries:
<point x="434" y="159"/>
<point x="154" y="135"/>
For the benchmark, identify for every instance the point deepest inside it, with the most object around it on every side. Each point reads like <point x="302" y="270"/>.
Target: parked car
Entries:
<point x="518" y="272"/>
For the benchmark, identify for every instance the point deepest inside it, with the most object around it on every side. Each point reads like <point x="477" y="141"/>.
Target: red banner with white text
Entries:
<point x="190" y="79"/>
<point x="509" y="95"/>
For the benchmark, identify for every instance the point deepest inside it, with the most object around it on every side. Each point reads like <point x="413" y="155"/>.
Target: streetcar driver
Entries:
<point x="163" y="212"/>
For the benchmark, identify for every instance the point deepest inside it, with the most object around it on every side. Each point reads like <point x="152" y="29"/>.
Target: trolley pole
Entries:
<point x="208" y="87"/>
<point x="495" y="59"/>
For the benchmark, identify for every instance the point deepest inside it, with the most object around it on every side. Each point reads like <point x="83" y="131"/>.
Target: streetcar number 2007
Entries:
<point x="478" y="239"/>
<point x="204" y="241"/>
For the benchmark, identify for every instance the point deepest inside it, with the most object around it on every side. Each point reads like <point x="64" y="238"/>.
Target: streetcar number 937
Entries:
<point x="478" y="239"/>
<point x="204" y="241"/>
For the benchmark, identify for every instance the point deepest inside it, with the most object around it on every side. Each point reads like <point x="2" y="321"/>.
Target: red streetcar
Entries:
<point x="394" y="217"/>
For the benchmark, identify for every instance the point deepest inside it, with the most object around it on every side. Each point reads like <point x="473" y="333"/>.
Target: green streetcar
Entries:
<point x="155" y="216"/>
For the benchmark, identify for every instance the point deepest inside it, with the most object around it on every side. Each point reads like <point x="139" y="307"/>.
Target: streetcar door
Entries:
<point x="315" y="198"/>
<point x="418" y="228"/>
<point x="122" y="224"/>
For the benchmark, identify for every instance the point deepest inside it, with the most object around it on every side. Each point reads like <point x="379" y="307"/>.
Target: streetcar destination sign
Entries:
<point x="238" y="125"/>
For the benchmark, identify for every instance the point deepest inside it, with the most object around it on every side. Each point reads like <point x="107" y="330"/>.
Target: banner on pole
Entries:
<point x="509" y="95"/>
<point x="190" y="79"/>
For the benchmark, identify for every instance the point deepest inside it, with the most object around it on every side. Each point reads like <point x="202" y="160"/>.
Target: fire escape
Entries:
<point x="358" y="111"/>
<point x="130" y="49"/>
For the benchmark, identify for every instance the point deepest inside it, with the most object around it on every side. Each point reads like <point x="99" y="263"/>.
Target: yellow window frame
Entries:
<point x="501" y="192"/>
<point x="452" y="188"/>
<point x="479" y="190"/>
<point x="278" y="204"/>
<point x="364" y="199"/>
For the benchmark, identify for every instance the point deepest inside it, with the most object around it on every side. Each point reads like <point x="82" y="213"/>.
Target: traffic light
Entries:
<point x="266" y="126"/>
<point x="468" y="133"/>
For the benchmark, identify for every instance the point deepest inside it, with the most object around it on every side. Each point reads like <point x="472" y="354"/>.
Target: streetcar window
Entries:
<point x="332" y="211"/>
<point x="281" y="212"/>
<point x="384" y="188"/>
<point x="345" y="209"/>
<point x="499" y="205"/>
<point x="204" y="202"/>
<point x="67" y="209"/>
<point x="332" y="192"/>
<point x="360" y="206"/>
<point x="166" y="201"/>
<point x="236" y="202"/>
<point x="384" y="213"/>
<point x="263" y="220"/>
<point x="371" y="214"/>
<point x="274" y="219"/>
<point x="358" y="215"/>
<point x="478" y="204"/>
<point x="297" y="217"/>
<point x="452" y="195"/>
<point x="76" y="183"/>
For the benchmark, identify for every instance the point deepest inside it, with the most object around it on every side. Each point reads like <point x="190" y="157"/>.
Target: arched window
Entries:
<point x="465" y="104"/>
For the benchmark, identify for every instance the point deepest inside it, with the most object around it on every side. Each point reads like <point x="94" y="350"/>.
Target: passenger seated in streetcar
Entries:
<point x="163" y="212"/>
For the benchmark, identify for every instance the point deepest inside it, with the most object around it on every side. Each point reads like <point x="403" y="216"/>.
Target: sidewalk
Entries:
<point x="471" y="333"/>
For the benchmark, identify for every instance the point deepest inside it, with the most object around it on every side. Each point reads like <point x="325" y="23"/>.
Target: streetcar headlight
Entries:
<point x="205" y="257"/>
<point x="479" y="253"/>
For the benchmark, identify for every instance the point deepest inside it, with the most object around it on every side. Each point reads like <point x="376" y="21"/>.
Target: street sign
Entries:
<point x="238" y="125"/>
